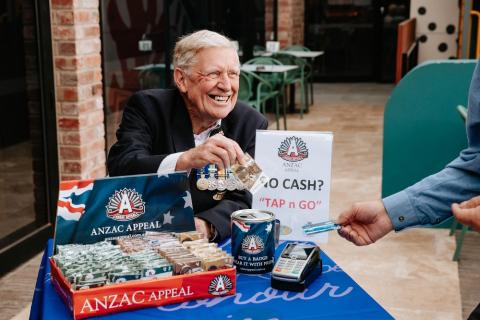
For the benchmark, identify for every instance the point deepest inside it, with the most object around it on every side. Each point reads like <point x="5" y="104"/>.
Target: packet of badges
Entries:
<point x="138" y="269"/>
<point x="250" y="174"/>
<point x="154" y="256"/>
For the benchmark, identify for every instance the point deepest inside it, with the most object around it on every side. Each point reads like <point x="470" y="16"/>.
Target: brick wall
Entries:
<point x="290" y="21"/>
<point x="78" y="88"/>
<point x="268" y="19"/>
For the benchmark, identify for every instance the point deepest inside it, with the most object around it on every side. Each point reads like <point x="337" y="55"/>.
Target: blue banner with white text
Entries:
<point x="90" y="211"/>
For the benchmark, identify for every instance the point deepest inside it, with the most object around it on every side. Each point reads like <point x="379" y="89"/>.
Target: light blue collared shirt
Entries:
<point x="429" y="201"/>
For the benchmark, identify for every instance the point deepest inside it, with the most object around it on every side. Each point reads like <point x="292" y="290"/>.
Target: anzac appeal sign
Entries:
<point x="90" y="211"/>
<point x="298" y="191"/>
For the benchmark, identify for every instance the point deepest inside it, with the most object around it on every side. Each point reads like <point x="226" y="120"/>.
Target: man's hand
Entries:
<point x="203" y="227"/>
<point x="468" y="212"/>
<point x="217" y="149"/>
<point x="365" y="222"/>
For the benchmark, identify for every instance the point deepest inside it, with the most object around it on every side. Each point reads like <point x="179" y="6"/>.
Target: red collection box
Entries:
<point x="138" y="294"/>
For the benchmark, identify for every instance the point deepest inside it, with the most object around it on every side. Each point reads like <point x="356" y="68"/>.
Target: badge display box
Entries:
<point x="137" y="294"/>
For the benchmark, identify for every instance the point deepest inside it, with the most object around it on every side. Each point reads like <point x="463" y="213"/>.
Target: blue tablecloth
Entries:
<point x="334" y="295"/>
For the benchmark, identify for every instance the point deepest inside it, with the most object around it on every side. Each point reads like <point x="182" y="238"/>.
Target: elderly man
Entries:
<point x="174" y="129"/>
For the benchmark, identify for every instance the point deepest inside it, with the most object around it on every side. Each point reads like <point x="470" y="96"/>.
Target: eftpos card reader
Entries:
<point x="297" y="267"/>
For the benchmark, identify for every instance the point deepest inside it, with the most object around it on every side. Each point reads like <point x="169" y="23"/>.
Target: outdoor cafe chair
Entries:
<point x="264" y="91"/>
<point x="298" y="47"/>
<point x="298" y="75"/>
<point x="276" y="80"/>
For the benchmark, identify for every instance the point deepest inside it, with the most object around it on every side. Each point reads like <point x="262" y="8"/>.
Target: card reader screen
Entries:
<point x="297" y="252"/>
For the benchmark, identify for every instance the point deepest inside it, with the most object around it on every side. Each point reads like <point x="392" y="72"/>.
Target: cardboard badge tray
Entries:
<point x="164" y="200"/>
<point x="143" y="293"/>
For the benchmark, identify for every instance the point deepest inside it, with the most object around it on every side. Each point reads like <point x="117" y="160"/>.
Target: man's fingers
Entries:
<point x="239" y="153"/>
<point x="347" y="216"/>
<point x="213" y="158"/>
<point x="224" y="156"/>
<point x="343" y="218"/>
<point x="464" y="215"/>
<point x="234" y="150"/>
<point x="351" y="235"/>
<point x="356" y="238"/>
<point x="227" y="145"/>
<point x="472" y="203"/>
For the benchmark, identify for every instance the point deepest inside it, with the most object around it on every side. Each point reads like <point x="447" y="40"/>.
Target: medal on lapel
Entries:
<point x="231" y="180"/>
<point x="212" y="180"/>
<point x="221" y="181"/>
<point x="202" y="182"/>
<point x="219" y="195"/>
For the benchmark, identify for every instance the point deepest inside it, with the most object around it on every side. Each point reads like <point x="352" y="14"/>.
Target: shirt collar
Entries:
<point x="206" y="133"/>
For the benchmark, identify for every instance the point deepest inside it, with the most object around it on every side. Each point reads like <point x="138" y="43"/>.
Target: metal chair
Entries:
<point x="296" y="76"/>
<point x="264" y="91"/>
<point x="453" y="228"/>
<point x="275" y="81"/>
<point x="309" y="74"/>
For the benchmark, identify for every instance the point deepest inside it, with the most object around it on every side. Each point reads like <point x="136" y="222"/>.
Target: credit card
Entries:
<point x="313" y="228"/>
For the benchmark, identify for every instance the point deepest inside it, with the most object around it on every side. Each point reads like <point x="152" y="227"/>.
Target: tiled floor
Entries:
<point x="410" y="273"/>
<point x="16" y="188"/>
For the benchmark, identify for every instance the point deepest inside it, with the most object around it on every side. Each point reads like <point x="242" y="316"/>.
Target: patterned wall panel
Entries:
<point x="437" y="28"/>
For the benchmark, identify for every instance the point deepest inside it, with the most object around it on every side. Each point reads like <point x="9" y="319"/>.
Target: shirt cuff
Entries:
<point x="169" y="163"/>
<point x="400" y="210"/>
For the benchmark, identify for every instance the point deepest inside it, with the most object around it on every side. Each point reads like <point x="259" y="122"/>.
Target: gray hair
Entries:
<point x="189" y="45"/>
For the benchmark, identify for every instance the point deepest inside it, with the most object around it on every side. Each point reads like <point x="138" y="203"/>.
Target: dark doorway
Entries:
<point x="358" y="37"/>
<point x="28" y="150"/>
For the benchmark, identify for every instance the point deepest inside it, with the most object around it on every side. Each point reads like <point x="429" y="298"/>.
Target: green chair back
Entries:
<point x="275" y="79"/>
<point x="288" y="59"/>
<point x="422" y="130"/>
<point x="245" y="91"/>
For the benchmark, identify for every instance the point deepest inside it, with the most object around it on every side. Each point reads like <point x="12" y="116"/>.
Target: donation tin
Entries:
<point x="253" y="240"/>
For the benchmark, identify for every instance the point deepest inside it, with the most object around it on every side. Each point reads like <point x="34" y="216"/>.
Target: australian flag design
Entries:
<point x="253" y="246"/>
<point x="89" y="211"/>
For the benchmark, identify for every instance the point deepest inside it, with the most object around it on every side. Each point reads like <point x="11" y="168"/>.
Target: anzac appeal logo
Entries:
<point x="252" y="244"/>
<point x="125" y="204"/>
<point x="293" y="149"/>
<point x="220" y="285"/>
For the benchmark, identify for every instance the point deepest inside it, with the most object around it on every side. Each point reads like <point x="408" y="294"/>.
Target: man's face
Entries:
<point x="211" y="86"/>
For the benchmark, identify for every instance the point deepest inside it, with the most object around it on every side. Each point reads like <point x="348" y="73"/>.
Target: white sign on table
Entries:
<point x="298" y="164"/>
<point x="272" y="46"/>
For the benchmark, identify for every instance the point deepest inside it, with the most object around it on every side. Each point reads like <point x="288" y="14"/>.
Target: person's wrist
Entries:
<point x="385" y="218"/>
<point x="182" y="162"/>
